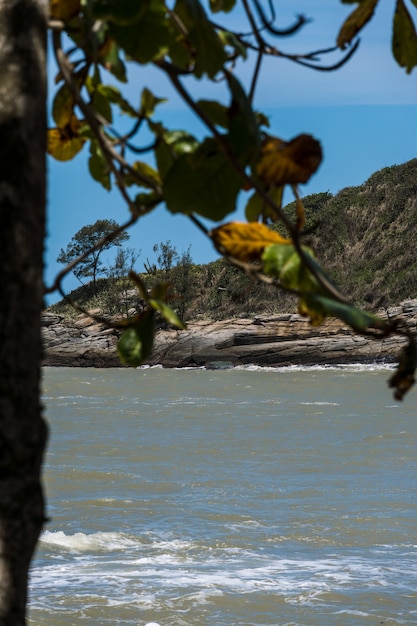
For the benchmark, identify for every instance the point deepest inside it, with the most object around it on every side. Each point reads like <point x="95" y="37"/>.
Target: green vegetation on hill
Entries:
<point x="364" y="237"/>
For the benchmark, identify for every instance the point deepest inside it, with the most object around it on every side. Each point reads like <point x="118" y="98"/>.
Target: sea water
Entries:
<point x="248" y="497"/>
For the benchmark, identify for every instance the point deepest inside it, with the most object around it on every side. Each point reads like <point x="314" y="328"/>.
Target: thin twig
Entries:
<point x="285" y="32"/>
<point x="327" y="68"/>
<point x="199" y="225"/>
<point x="255" y="30"/>
<point x="255" y="76"/>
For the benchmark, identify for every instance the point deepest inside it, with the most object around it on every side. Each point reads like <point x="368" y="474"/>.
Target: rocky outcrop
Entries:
<point x="78" y="343"/>
<point x="268" y="341"/>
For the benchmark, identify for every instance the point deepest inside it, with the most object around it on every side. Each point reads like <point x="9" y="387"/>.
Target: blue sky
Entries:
<point x="365" y="116"/>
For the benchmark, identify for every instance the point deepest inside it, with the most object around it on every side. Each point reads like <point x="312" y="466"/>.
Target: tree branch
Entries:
<point x="110" y="154"/>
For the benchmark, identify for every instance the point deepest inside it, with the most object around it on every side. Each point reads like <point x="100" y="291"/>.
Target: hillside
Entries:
<point x="364" y="236"/>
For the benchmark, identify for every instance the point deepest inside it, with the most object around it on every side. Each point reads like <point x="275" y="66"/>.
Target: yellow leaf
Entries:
<point x="64" y="142"/>
<point x="356" y="21"/>
<point x="288" y="163"/>
<point x="316" y="313"/>
<point x="64" y="9"/>
<point x="246" y="242"/>
<point x="63" y="105"/>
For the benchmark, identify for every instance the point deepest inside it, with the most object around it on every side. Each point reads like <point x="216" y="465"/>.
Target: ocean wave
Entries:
<point x="82" y="542"/>
<point x="290" y="577"/>
<point x="320" y="403"/>
<point x="349" y="367"/>
<point x="252" y="367"/>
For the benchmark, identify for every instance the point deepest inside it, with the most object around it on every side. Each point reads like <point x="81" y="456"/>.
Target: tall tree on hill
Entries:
<point x="196" y="178"/>
<point x="88" y="244"/>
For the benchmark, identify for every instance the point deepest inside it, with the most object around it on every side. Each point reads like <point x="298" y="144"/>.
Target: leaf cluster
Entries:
<point x="202" y="177"/>
<point x="404" y="35"/>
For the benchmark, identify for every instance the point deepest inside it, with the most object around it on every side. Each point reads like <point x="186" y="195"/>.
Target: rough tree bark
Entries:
<point x="22" y="216"/>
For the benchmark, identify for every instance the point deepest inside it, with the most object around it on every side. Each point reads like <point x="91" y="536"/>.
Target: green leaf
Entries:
<point x="140" y="284"/>
<point x="91" y="82"/>
<point x="115" y="97"/>
<point x="356" y="318"/>
<point x="216" y="112"/>
<point x="149" y="102"/>
<point x="167" y="313"/>
<point x="404" y="40"/>
<point x="284" y="263"/>
<point x="148" y="38"/>
<point x="222" y="5"/>
<point x="171" y="145"/>
<point x="110" y="59"/>
<point x="203" y="183"/>
<point x="262" y="119"/>
<point x="295" y="275"/>
<point x="136" y="342"/>
<point x="257" y="207"/>
<point x="230" y="39"/>
<point x="148" y="200"/>
<point x="122" y="12"/>
<point x="210" y="53"/>
<point x="150" y="177"/>
<point x="180" y="53"/>
<point x="98" y="166"/>
<point x="275" y="258"/>
<point x="102" y="106"/>
<point x="243" y="128"/>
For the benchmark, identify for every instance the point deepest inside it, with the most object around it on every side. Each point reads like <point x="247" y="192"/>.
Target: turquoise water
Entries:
<point x="250" y="497"/>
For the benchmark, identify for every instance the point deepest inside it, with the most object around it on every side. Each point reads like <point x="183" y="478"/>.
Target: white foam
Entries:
<point x="81" y="542"/>
<point x="320" y="403"/>
<point x="350" y="367"/>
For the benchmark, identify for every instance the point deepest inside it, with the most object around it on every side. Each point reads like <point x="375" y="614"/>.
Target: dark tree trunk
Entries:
<point x="22" y="216"/>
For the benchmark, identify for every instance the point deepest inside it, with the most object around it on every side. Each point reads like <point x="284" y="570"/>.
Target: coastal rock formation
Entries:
<point x="78" y="343"/>
<point x="286" y="339"/>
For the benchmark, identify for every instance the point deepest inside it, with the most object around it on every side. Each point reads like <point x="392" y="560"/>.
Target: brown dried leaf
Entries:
<point x="356" y="21"/>
<point x="403" y="378"/>
<point x="64" y="9"/>
<point x="288" y="163"/>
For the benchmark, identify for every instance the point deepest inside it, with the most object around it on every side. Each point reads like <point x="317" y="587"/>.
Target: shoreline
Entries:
<point x="280" y="340"/>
